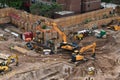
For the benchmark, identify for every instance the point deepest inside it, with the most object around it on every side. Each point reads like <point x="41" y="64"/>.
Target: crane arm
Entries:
<point x="93" y="46"/>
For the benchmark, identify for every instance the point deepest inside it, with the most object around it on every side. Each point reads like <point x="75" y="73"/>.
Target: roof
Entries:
<point x="108" y="5"/>
<point x="64" y="12"/>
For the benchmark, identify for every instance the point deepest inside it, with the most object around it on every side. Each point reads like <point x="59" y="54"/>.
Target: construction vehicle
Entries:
<point x="99" y="33"/>
<point x="114" y="27"/>
<point x="4" y="66"/>
<point x="64" y="45"/>
<point x="11" y="59"/>
<point x="3" y="38"/>
<point x="78" y="54"/>
<point x="79" y="35"/>
<point x="91" y="70"/>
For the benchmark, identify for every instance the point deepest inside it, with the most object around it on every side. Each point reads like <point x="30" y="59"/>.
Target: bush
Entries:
<point x="44" y="27"/>
<point x="45" y="9"/>
<point x="11" y="3"/>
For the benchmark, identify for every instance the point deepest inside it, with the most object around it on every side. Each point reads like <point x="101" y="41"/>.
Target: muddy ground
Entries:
<point x="57" y="66"/>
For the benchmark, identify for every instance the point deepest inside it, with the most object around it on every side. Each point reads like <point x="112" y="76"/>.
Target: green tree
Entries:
<point x="46" y="10"/>
<point x="116" y="1"/>
<point x="11" y="3"/>
<point x="2" y="3"/>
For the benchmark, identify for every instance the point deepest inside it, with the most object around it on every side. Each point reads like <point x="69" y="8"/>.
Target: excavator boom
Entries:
<point x="55" y="27"/>
<point x="12" y="58"/>
<point x="64" y="45"/>
<point x="83" y="49"/>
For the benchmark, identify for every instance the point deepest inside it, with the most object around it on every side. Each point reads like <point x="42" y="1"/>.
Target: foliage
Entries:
<point x="11" y="3"/>
<point x="87" y="20"/>
<point x="116" y="1"/>
<point x="105" y="16"/>
<point x="2" y="3"/>
<point x="15" y="3"/>
<point x="113" y="1"/>
<point x="44" y="27"/>
<point x="46" y="10"/>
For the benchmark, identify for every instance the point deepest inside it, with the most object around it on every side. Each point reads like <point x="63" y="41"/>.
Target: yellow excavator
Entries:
<point x="114" y="27"/>
<point x="78" y="55"/>
<point x="4" y="66"/>
<point x="64" y="45"/>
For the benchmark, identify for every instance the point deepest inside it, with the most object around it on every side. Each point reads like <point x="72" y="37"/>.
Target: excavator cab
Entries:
<point x="4" y="66"/>
<point x="68" y="46"/>
<point x="12" y="59"/>
<point x="77" y="59"/>
<point x="114" y="27"/>
<point x="64" y="45"/>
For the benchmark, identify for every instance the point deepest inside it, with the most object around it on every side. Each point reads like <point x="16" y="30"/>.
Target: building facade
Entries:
<point x="78" y="6"/>
<point x="90" y="5"/>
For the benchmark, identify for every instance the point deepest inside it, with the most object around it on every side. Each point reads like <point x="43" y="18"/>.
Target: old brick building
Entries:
<point x="78" y="6"/>
<point x="90" y="5"/>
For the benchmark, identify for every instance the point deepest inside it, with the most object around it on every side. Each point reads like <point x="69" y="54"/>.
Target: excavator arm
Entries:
<point x="64" y="37"/>
<point x="55" y="27"/>
<point x="93" y="46"/>
<point x="64" y="45"/>
<point x="12" y="58"/>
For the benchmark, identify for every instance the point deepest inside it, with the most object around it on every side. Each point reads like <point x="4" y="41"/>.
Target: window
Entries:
<point x="88" y="5"/>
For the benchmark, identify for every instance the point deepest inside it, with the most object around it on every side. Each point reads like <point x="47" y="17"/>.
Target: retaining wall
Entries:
<point x="73" y="20"/>
<point x="26" y="20"/>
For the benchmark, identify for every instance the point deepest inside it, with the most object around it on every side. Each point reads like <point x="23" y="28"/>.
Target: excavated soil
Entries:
<point x="57" y="66"/>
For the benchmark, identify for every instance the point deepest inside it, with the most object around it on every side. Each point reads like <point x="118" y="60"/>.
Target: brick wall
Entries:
<point x="75" y="5"/>
<point x="90" y="5"/>
<point x="71" y="5"/>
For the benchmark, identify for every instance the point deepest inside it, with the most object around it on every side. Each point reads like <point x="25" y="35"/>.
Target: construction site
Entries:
<point x="79" y="47"/>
